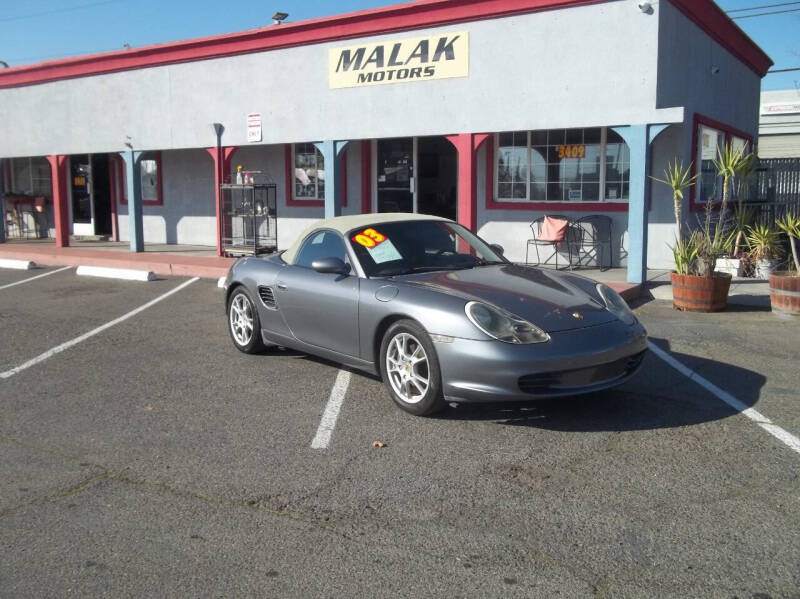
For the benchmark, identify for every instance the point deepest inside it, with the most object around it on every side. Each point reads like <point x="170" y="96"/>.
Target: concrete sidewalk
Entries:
<point x="182" y="263"/>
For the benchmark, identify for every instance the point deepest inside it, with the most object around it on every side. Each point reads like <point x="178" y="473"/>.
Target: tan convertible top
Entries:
<point x="345" y="224"/>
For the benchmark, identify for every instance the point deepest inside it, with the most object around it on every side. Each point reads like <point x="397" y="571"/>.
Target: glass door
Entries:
<point x="395" y="169"/>
<point x="81" y="194"/>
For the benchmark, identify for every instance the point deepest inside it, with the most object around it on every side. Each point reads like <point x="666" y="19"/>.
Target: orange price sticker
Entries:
<point x="369" y="238"/>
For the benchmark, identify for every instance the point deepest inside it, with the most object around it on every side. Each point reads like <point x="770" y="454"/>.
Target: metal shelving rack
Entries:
<point x="249" y="218"/>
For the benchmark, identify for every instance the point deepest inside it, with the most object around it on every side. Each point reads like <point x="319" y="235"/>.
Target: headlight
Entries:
<point x="502" y="325"/>
<point x="615" y="304"/>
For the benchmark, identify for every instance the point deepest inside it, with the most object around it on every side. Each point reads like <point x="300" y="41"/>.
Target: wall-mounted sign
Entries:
<point x="254" y="127"/>
<point x="783" y="108"/>
<point x="401" y="61"/>
<point x="574" y="195"/>
<point x="572" y="151"/>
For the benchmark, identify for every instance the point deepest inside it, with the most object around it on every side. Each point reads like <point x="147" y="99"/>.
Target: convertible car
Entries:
<point x="433" y="309"/>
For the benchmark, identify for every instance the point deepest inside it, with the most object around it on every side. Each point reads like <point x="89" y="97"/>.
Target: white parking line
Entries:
<point x="47" y="274"/>
<point x="328" y="422"/>
<point x="773" y="429"/>
<point x="64" y="346"/>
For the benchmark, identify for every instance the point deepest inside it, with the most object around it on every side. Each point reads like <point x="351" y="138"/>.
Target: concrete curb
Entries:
<point x="126" y="274"/>
<point x="16" y="264"/>
<point x="159" y="264"/>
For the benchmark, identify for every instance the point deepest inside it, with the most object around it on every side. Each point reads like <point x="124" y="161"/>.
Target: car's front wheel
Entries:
<point x="410" y="368"/>
<point x="243" y="322"/>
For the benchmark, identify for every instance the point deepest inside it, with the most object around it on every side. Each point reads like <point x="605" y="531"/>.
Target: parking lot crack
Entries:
<point x="76" y="489"/>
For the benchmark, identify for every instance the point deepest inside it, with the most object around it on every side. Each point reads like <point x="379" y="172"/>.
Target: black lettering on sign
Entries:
<point x="402" y="74"/>
<point x="393" y="62"/>
<point x="446" y="48"/>
<point x="430" y="71"/>
<point x="416" y="72"/>
<point x="365" y="77"/>
<point x="379" y="76"/>
<point x="346" y="59"/>
<point x="420" y="52"/>
<point x="376" y="57"/>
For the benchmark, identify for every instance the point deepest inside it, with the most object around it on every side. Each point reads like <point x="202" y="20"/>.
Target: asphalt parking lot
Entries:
<point x="153" y="459"/>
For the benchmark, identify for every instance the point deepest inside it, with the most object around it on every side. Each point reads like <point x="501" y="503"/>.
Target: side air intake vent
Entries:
<point x="267" y="296"/>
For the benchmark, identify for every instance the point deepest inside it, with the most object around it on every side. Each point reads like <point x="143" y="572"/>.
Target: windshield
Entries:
<point x="407" y="247"/>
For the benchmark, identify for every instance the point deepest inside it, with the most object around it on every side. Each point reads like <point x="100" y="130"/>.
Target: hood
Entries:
<point x="551" y="300"/>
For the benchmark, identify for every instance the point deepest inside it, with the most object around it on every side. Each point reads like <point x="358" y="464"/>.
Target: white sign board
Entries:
<point x="784" y="108"/>
<point x="400" y="61"/>
<point x="254" y="127"/>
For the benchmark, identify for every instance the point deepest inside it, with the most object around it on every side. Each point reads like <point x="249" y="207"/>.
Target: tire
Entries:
<point x="244" y="325"/>
<point x="403" y="342"/>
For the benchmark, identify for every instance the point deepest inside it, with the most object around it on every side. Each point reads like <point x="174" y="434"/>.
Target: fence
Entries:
<point x="775" y="189"/>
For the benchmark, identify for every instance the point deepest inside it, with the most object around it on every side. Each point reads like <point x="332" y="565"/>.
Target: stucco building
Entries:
<point x="491" y="112"/>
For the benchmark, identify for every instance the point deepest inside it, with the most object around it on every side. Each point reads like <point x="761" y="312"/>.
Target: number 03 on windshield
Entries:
<point x="369" y="238"/>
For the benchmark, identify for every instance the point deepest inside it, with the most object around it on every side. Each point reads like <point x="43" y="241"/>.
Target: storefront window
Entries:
<point x="562" y="165"/>
<point x="309" y="172"/>
<point x="151" y="179"/>
<point x="28" y="175"/>
<point x="709" y="183"/>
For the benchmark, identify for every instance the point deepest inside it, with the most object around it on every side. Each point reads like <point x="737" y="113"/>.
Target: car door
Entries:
<point x="320" y="308"/>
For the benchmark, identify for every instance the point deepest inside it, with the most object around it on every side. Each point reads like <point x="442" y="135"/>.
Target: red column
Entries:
<point x="58" y="170"/>
<point x="467" y="145"/>
<point x="222" y="167"/>
<point x="366" y="176"/>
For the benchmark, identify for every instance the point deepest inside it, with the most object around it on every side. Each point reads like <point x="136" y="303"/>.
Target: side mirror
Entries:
<point x="331" y="265"/>
<point x="497" y="248"/>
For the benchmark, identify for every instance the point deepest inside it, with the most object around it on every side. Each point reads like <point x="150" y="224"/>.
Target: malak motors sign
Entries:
<point x="416" y="59"/>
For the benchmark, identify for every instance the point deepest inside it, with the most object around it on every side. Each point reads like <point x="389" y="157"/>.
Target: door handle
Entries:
<point x="281" y="285"/>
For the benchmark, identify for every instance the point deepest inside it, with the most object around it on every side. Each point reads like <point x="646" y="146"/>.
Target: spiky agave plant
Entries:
<point x="677" y="178"/>
<point x="729" y="164"/>
<point x="790" y="224"/>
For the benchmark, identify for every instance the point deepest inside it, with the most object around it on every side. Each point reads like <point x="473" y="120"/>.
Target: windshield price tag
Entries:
<point x="369" y="238"/>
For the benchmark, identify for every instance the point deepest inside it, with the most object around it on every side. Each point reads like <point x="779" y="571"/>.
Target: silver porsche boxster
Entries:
<point x="437" y="312"/>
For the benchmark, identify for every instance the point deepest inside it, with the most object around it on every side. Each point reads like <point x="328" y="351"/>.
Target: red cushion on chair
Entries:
<point x="553" y="229"/>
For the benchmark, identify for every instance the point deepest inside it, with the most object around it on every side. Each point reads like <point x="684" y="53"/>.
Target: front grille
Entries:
<point x="267" y="296"/>
<point x="564" y="380"/>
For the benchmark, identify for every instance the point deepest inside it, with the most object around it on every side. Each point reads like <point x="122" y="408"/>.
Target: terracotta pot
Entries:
<point x="700" y="294"/>
<point x="784" y="294"/>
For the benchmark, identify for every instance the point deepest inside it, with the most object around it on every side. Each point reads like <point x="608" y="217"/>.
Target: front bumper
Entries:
<point x="572" y="362"/>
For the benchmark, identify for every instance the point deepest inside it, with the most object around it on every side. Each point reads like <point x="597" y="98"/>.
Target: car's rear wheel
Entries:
<point x="410" y="368"/>
<point x="243" y="322"/>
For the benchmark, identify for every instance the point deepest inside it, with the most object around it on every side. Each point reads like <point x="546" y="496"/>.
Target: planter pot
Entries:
<point x="784" y="294"/>
<point x="732" y="266"/>
<point x="700" y="294"/>
<point x="764" y="268"/>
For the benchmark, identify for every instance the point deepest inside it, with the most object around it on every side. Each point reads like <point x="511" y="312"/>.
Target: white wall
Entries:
<point x="188" y="215"/>
<point x="686" y="58"/>
<point x="662" y="231"/>
<point x="555" y="68"/>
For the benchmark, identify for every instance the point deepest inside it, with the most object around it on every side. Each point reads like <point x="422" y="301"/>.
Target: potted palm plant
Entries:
<point x="784" y="287"/>
<point x="696" y="285"/>
<point x="764" y="249"/>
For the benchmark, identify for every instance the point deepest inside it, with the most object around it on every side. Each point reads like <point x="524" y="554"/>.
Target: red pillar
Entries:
<point x="222" y="168"/>
<point x="58" y="177"/>
<point x="467" y="145"/>
<point x="366" y="176"/>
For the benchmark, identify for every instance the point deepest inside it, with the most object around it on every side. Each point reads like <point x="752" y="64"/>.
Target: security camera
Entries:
<point x="646" y="7"/>
<point x="714" y="69"/>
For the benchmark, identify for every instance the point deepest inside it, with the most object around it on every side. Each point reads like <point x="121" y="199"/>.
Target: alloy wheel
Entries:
<point x="407" y="367"/>
<point x="241" y="319"/>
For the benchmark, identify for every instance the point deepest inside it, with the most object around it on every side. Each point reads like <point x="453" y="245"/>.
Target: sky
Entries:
<point x="38" y="30"/>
